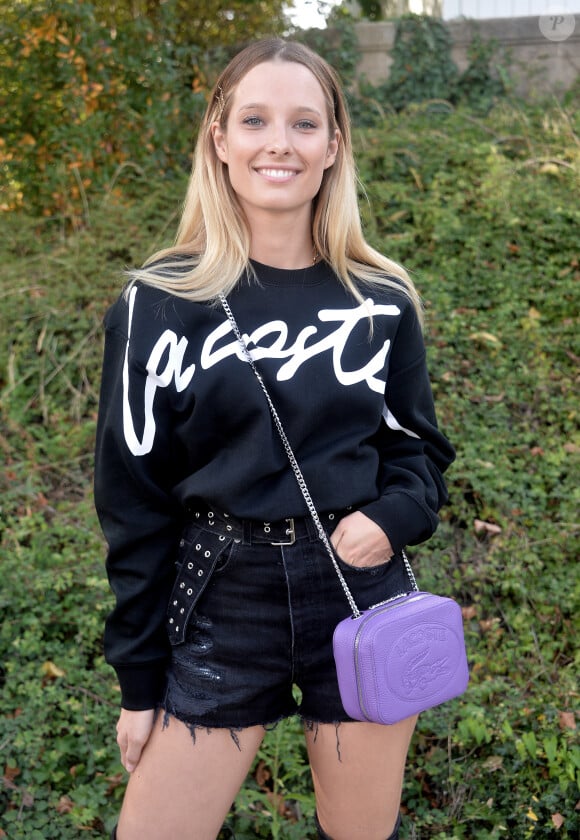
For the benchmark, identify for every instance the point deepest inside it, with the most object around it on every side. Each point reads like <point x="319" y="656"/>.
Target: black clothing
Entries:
<point x="183" y="418"/>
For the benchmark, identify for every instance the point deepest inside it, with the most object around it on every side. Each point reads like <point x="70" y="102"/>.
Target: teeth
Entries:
<point x="276" y="173"/>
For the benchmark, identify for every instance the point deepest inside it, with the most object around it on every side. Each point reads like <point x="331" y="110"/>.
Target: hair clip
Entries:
<point x="221" y="100"/>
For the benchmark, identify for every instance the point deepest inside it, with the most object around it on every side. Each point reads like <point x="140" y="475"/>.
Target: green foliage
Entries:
<point x="85" y="106"/>
<point x="484" y="81"/>
<point x="215" y="24"/>
<point x="481" y="211"/>
<point x="57" y="693"/>
<point x="337" y="44"/>
<point x="277" y="800"/>
<point x="371" y="9"/>
<point x="423" y="69"/>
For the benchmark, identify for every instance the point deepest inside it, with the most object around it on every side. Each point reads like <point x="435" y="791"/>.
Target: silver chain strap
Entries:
<point x="298" y="472"/>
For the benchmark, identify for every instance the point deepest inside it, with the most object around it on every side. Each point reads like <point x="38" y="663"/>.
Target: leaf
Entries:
<point x="557" y="820"/>
<point x="115" y="781"/>
<point x="417" y="179"/>
<point x="567" y="720"/>
<point x="262" y="773"/>
<point x="531" y="816"/>
<point x="27" y="799"/>
<point x="493" y="763"/>
<point x="400" y="214"/>
<point x="551" y="748"/>
<point x="10" y="773"/>
<point x="64" y="805"/>
<point x="487" y="624"/>
<point x="530" y="743"/>
<point x="482" y="337"/>
<point x="52" y="671"/>
<point x="549" y="169"/>
<point x="277" y="801"/>
<point x="486" y="527"/>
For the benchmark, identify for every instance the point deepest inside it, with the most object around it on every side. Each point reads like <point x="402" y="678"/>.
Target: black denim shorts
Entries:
<point x="250" y="622"/>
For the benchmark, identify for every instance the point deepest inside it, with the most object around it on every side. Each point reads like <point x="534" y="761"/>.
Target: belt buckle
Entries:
<point x="291" y="534"/>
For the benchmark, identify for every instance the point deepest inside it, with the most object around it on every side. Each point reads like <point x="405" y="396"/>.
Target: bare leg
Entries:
<point x="358" y="796"/>
<point x="181" y="790"/>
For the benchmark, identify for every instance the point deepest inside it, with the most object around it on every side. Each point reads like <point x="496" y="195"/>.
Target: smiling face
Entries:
<point x="277" y="142"/>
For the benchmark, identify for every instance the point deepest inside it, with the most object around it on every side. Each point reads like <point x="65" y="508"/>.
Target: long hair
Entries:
<point x="212" y="247"/>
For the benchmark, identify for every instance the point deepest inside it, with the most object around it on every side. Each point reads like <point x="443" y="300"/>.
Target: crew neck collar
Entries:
<point x="312" y="275"/>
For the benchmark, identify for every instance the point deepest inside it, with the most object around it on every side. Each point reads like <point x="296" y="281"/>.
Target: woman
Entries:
<point x="225" y="597"/>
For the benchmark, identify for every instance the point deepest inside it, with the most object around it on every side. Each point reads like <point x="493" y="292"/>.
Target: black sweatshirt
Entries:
<point x="183" y="418"/>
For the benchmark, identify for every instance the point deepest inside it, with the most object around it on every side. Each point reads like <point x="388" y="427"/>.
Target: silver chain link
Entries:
<point x="298" y="472"/>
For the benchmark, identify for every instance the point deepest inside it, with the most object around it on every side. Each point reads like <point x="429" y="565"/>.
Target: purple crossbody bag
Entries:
<point x="401" y="657"/>
<point x="396" y="658"/>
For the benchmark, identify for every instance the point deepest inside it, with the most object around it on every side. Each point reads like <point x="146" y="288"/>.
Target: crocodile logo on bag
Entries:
<point x="421" y="659"/>
<point x="420" y="672"/>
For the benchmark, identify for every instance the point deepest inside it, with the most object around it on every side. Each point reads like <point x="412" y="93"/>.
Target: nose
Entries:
<point x="278" y="142"/>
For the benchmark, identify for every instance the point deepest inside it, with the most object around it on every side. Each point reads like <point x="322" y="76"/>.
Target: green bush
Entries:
<point x="423" y="70"/>
<point x="85" y="105"/>
<point x="480" y="210"/>
<point x="422" y="67"/>
<point x="57" y="694"/>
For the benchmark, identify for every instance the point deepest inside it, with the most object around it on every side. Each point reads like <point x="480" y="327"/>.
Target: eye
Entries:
<point x="253" y="122"/>
<point x="306" y="125"/>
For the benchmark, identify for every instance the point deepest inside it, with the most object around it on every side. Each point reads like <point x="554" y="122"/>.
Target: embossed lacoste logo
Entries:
<point x="421" y="636"/>
<point x="420" y="673"/>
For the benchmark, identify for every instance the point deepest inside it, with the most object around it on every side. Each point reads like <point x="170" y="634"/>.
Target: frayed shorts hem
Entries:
<point x="309" y="724"/>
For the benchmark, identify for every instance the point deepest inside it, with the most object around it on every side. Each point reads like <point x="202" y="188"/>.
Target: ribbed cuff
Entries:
<point x="141" y="686"/>
<point x="402" y="519"/>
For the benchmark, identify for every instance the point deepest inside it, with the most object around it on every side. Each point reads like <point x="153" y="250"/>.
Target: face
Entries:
<point x="277" y="142"/>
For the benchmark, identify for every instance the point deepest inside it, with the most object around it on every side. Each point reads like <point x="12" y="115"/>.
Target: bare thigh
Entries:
<point x="183" y="790"/>
<point x="358" y="794"/>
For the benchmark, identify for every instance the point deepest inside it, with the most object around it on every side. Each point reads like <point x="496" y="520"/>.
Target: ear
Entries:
<point x="219" y="141"/>
<point x="332" y="150"/>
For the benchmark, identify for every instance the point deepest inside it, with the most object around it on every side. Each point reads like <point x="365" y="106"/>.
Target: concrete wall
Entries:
<point x="487" y="9"/>
<point x="536" y="64"/>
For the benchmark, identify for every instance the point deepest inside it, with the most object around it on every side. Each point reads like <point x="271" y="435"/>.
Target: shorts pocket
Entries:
<point x="373" y="571"/>
<point x="375" y="584"/>
<point x="200" y="555"/>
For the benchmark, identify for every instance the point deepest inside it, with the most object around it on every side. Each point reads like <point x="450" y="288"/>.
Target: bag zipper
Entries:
<point x="388" y="606"/>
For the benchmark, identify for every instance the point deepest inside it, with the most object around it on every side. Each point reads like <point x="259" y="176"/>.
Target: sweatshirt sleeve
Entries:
<point x="413" y="453"/>
<point x="139" y="517"/>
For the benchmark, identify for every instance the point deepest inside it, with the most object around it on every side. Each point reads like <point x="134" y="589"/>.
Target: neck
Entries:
<point x="282" y="242"/>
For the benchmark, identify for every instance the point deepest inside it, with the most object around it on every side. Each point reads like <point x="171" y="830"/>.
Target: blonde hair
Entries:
<point x="211" y="250"/>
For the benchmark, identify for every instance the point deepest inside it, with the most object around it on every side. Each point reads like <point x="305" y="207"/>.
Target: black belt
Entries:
<point x="280" y="532"/>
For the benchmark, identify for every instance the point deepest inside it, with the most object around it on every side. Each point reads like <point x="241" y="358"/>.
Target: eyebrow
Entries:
<point x="256" y="105"/>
